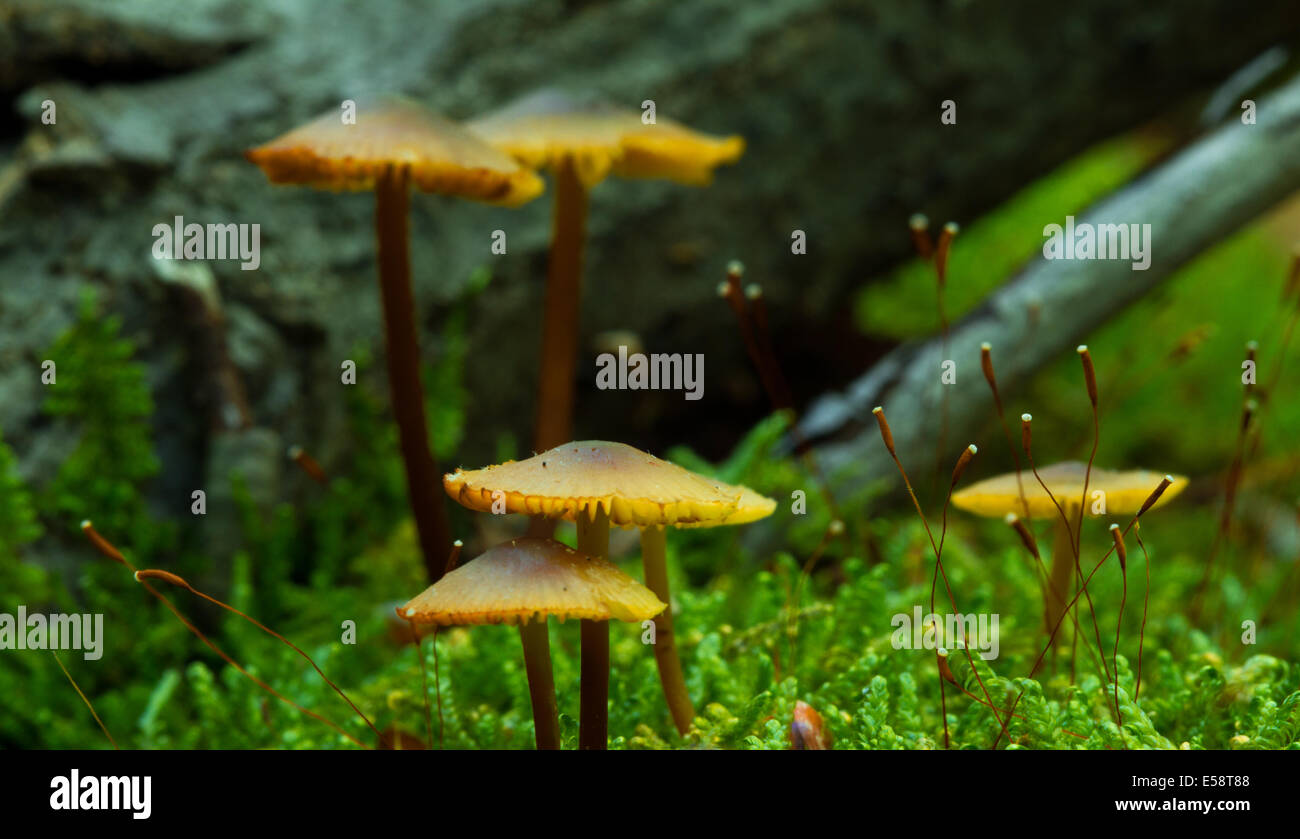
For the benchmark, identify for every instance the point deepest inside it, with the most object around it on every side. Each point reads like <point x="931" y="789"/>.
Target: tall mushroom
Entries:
<point x="523" y="582"/>
<point x="392" y="145"/>
<point x="1122" y="493"/>
<point x="582" y="140"/>
<point x="595" y="483"/>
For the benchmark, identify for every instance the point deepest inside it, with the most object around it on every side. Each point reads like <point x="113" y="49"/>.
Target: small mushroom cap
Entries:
<point x="438" y="155"/>
<point x="635" y="489"/>
<point x="545" y="127"/>
<point x="531" y="579"/>
<point x="1125" y="491"/>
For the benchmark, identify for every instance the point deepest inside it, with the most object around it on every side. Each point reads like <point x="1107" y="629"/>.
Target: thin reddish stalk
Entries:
<point x="562" y="310"/>
<point x="109" y="550"/>
<point x="750" y="311"/>
<point x="1031" y="545"/>
<point x="730" y="290"/>
<point x="1146" y="592"/>
<point x="1090" y="383"/>
<point x="263" y="685"/>
<point x="1015" y="716"/>
<point x="1026" y="440"/>
<point x="402" y="350"/>
<point x="941" y="251"/>
<point x="1122" y="554"/>
<point x="1146" y="505"/>
<point x="91" y="707"/>
<point x="888" y="437"/>
<point x="1066" y="523"/>
<point x="308" y="464"/>
<point x="1230" y="485"/>
<point x="168" y="577"/>
<point x="919" y="226"/>
<point x="781" y="397"/>
<point x="986" y="364"/>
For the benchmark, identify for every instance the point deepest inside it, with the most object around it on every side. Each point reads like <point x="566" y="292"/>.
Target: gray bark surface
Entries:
<point x="1191" y="202"/>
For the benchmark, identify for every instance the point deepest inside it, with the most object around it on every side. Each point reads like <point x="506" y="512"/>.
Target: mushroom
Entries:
<point x="393" y="144"/>
<point x="1123" y="493"/>
<point x="523" y="582"/>
<point x="596" y="483"/>
<point x="582" y="140"/>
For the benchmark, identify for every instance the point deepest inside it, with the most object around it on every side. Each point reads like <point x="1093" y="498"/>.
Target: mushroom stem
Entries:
<point x="653" y="544"/>
<point x="562" y="310"/>
<point x="423" y="485"/>
<point x="593" y="707"/>
<point x="535" y="638"/>
<point x="1058" y="589"/>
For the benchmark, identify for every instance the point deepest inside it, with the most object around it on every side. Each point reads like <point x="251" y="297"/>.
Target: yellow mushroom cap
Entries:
<point x="527" y="579"/>
<point x="750" y="507"/>
<point x="548" y="126"/>
<point x="1125" y="492"/>
<point x="634" y="489"/>
<point x="438" y="155"/>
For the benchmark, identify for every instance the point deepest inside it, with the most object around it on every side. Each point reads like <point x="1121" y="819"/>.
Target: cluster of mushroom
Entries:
<point x="593" y="484"/>
<point x="391" y="144"/>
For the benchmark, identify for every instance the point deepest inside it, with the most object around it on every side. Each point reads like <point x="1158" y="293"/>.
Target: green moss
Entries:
<point x="100" y="392"/>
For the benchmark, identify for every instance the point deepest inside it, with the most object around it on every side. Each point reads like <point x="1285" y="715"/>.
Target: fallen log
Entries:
<point x="1191" y="202"/>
